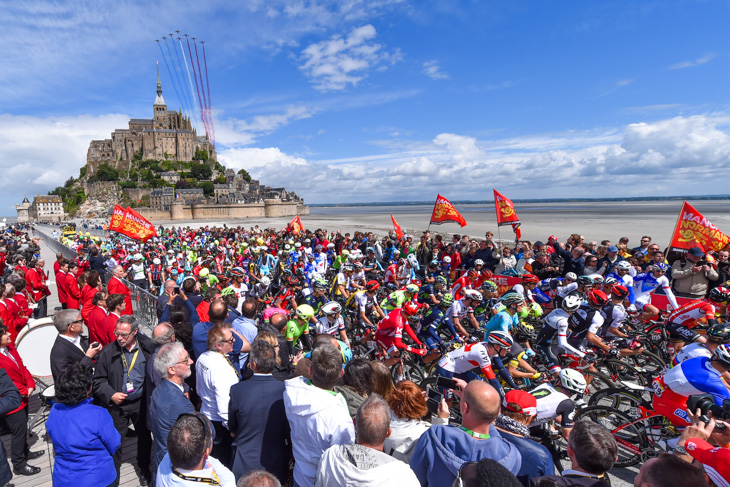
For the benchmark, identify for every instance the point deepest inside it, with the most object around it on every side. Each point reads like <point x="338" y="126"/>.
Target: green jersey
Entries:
<point x="294" y="330"/>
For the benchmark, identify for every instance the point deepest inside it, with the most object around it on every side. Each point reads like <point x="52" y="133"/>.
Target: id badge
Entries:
<point x="130" y="387"/>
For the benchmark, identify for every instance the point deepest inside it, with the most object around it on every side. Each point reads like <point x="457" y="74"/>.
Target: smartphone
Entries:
<point x="176" y="290"/>
<point x="446" y="383"/>
<point x="433" y="401"/>
<point x="95" y="345"/>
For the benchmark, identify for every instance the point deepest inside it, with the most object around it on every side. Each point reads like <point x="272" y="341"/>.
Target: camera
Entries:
<point x="706" y="403"/>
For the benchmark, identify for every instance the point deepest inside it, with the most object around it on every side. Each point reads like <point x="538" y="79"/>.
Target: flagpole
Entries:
<point x="429" y="220"/>
<point x="499" y="234"/>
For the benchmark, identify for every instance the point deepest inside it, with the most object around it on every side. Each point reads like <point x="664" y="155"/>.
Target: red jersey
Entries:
<point x="690" y="314"/>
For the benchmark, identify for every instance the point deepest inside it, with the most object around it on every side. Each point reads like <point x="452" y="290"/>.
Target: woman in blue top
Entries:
<point x="83" y="435"/>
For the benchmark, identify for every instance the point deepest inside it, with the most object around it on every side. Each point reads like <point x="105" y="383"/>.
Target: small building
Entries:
<point x="190" y="196"/>
<point x="221" y="190"/>
<point x="23" y="210"/>
<point x="161" y="199"/>
<point x="46" y="208"/>
<point x="170" y="176"/>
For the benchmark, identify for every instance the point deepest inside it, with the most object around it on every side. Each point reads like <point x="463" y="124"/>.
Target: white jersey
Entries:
<point x="567" y="289"/>
<point x="241" y="293"/>
<point x="555" y="317"/>
<point x="549" y="401"/>
<point x="458" y="310"/>
<point x="137" y="272"/>
<point x="466" y="358"/>
<point x="693" y="350"/>
<point x="324" y="325"/>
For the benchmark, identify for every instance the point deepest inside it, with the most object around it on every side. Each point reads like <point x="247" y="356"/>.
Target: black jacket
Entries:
<point x="109" y="373"/>
<point x="65" y="353"/>
<point x="285" y="370"/>
<point x="570" y="481"/>
<point x="9" y="401"/>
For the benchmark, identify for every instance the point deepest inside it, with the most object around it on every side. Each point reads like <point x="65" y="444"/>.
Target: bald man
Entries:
<point x="116" y="286"/>
<point x="442" y="449"/>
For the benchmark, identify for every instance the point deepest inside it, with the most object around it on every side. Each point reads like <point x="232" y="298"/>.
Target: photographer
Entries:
<point x="708" y="443"/>
<point x="692" y="274"/>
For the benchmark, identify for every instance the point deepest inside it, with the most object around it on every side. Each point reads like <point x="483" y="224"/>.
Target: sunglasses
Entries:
<point x="468" y="471"/>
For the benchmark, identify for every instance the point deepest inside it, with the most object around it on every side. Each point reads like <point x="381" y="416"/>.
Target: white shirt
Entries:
<point x="165" y="477"/>
<point x="76" y="341"/>
<point x="215" y="376"/>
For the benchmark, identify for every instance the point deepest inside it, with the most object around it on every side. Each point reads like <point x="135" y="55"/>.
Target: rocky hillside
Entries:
<point x="100" y="202"/>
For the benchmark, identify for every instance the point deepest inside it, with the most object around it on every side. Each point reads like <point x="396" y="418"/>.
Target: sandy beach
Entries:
<point x="596" y="220"/>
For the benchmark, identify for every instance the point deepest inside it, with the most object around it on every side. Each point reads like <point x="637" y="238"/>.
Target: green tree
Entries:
<point x="69" y="182"/>
<point x="182" y="184"/>
<point x="128" y="184"/>
<point x="220" y="180"/>
<point x="82" y="172"/>
<point x="201" y="171"/>
<point x="145" y="200"/>
<point x="245" y="175"/>
<point x="200" y="155"/>
<point x="158" y="183"/>
<point x="208" y="188"/>
<point x="106" y="173"/>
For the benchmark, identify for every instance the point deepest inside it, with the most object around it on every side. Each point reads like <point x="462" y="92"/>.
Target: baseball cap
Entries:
<point x="715" y="459"/>
<point x="527" y="402"/>
<point x="612" y="248"/>
<point x="696" y="252"/>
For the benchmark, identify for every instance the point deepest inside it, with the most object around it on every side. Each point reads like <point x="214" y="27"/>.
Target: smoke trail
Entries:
<point x="200" y="102"/>
<point x="190" y="81"/>
<point x="200" y="74"/>
<point x="207" y="84"/>
<point x="169" y="72"/>
<point x="184" y="99"/>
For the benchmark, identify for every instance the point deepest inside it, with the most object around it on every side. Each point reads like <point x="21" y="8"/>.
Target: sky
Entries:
<point x="349" y="101"/>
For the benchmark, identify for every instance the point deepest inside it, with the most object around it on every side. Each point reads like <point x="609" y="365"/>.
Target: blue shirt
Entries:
<point x="84" y="440"/>
<point x="536" y="459"/>
<point x="247" y="328"/>
<point x="200" y="343"/>
<point x="502" y="321"/>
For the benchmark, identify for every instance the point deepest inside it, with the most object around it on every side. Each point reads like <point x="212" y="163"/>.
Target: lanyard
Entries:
<point x="229" y="362"/>
<point x="214" y="481"/>
<point x="134" y="359"/>
<point x="478" y="436"/>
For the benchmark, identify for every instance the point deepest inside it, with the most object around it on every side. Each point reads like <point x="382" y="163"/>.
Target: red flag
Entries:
<point x="296" y="225"/>
<point x="506" y="213"/>
<point x="117" y="217"/>
<point x="694" y="230"/>
<point x="398" y="230"/>
<point x="444" y="211"/>
<point x="136" y="226"/>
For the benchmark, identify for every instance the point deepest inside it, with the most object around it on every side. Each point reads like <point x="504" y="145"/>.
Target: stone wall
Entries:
<point x="91" y="188"/>
<point x="278" y="208"/>
<point x="268" y="209"/>
<point x="136" y="194"/>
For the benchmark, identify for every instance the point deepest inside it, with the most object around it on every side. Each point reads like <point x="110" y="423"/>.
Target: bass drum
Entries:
<point x="34" y="343"/>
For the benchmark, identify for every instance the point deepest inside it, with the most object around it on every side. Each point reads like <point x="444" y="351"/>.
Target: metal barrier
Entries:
<point x="144" y="304"/>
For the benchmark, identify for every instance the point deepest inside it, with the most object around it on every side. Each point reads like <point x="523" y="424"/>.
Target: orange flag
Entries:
<point x="694" y="230"/>
<point x="296" y="225"/>
<point x="506" y="213"/>
<point x="136" y="226"/>
<point x="398" y="230"/>
<point x="117" y="217"/>
<point x="444" y="211"/>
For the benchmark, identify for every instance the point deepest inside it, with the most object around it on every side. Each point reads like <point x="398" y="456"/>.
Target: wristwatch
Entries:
<point x="680" y="450"/>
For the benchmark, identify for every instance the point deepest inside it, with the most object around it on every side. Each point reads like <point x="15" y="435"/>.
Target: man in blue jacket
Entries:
<point x="442" y="450"/>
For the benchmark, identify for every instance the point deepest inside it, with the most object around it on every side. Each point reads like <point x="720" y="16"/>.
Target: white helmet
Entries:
<point x="573" y="380"/>
<point x="447" y="260"/>
<point x="330" y="245"/>
<point x="571" y="276"/>
<point x="623" y="266"/>
<point x="265" y="281"/>
<point x="137" y="256"/>
<point x="473" y="294"/>
<point x="571" y="303"/>
<point x="332" y="308"/>
<point x="156" y="261"/>
<point x="479" y="262"/>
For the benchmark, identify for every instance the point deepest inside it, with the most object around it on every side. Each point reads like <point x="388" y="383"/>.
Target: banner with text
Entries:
<point x="506" y="214"/>
<point x="117" y="218"/>
<point x="136" y="226"/>
<point x="444" y="211"/>
<point x="694" y="230"/>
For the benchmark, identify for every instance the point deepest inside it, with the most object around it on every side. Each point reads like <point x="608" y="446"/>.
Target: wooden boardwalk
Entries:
<point x="38" y="439"/>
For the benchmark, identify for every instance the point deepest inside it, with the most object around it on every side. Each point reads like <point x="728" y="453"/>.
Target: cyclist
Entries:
<point x="462" y="311"/>
<point x="645" y="284"/>
<point x="527" y="288"/>
<point x="624" y="278"/>
<point x="238" y="284"/>
<point x="261" y="291"/>
<point x="554" y="401"/>
<point x="431" y="322"/>
<point x="367" y="304"/>
<point x="298" y="327"/>
<point x="287" y="295"/>
<point x="701" y="375"/>
<point x="507" y="318"/>
<point x="514" y="360"/>
<point x="398" y="298"/>
<point x="584" y="325"/>
<point x="612" y="329"/>
<point x="341" y="286"/>
<point x="467" y="281"/>
<point x="717" y="334"/>
<point x="389" y="334"/>
<point x="460" y="363"/>
<point x="555" y="321"/>
<point x="681" y="321"/>
<point x="332" y="322"/>
<point x="490" y="304"/>
<point x="431" y="293"/>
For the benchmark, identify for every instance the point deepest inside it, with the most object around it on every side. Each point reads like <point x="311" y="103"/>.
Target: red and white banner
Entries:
<point x="694" y="230"/>
<point x="136" y="226"/>
<point x="444" y="211"/>
<point x="117" y="218"/>
<point x="296" y="225"/>
<point x="398" y="229"/>
<point x="506" y="214"/>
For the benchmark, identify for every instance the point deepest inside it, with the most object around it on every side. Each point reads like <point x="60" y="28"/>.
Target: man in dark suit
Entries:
<point x="255" y="411"/>
<point x="172" y="362"/>
<point x="276" y="325"/>
<point x="70" y="347"/>
<point x="9" y="400"/>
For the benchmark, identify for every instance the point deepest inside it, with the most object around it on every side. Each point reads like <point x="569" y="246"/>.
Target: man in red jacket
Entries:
<point x="17" y="420"/>
<point x="61" y="282"/>
<point x="97" y="320"/>
<point x="116" y="306"/>
<point x="73" y="293"/>
<point x="116" y="286"/>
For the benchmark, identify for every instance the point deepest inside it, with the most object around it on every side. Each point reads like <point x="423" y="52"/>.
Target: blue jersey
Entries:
<point x="627" y="282"/>
<point x="696" y="376"/>
<point x="502" y="321"/>
<point x="424" y="294"/>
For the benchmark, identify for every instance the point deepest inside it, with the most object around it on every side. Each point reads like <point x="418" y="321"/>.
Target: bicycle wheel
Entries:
<point x="630" y="439"/>
<point x="411" y="371"/>
<point x="597" y="381"/>
<point x="620" y="370"/>
<point x="650" y="362"/>
<point x="621" y="399"/>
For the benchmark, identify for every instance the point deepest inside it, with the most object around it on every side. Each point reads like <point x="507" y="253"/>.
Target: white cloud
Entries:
<point x="235" y="133"/>
<point x="696" y="62"/>
<point x="341" y="61"/>
<point x="433" y="70"/>
<point x="617" y="86"/>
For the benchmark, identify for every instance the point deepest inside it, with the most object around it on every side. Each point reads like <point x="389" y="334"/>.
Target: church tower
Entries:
<point x="160" y="107"/>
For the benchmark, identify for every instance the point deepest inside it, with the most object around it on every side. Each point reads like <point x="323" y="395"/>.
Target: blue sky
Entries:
<point x="356" y="101"/>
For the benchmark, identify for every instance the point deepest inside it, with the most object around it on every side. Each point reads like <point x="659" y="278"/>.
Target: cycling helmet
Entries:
<point x="530" y="278"/>
<point x="619" y="291"/>
<point x="623" y="265"/>
<point x="237" y="272"/>
<point x="358" y="265"/>
<point x="585" y="281"/>
<point x="472" y="273"/>
<point x="319" y="283"/>
<point x="434" y="263"/>
<point x="719" y="295"/>
<point x="411" y="288"/>
<point x="372" y="286"/>
<point x="473" y="294"/>
<point x="228" y="291"/>
<point x="331" y="308"/>
<point x="204" y="272"/>
<point x="571" y="276"/>
<point x="347" y="268"/>
<point x="512" y="298"/>
<point x="345" y="252"/>
<point x="597" y="280"/>
<point x="410" y="308"/>
<point x="304" y="311"/>
<point x="660" y="267"/>
<point x="501" y="339"/>
<point x="719" y="333"/>
<point x="447" y="260"/>
<point x="522" y="333"/>
<point x="571" y="303"/>
<point x="479" y="262"/>
<point x="597" y="299"/>
<point x="396" y="252"/>
<point x="330" y="245"/>
<point x="573" y="380"/>
<point x="447" y="301"/>
<point x="722" y="354"/>
<point x="156" y="261"/>
<point x="265" y="281"/>
<point x="293" y="281"/>
<point x="440" y="280"/>
<point x="610" y="281"/>
<point x="489" y="286"/>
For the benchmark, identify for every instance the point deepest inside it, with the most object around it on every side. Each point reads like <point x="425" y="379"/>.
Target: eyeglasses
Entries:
<point x="80" y="320"/>
<point x="183" y="361"/>
<point x="466" y="471"/>
<point x="123" y="335"/>
<point x="230" y="340"/>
